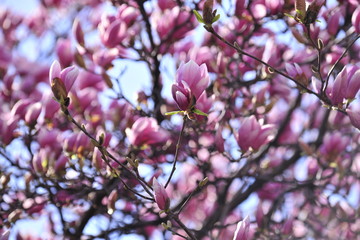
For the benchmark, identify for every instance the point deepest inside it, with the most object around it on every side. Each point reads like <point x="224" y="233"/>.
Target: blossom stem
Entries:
<point x="176" y="151"/>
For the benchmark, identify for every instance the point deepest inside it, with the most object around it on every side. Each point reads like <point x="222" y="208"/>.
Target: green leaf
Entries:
<point x="216" y="18"/>
<point x="198" y="16"/>
<point x="198" y="112"/>
<point x="173" y="113"/>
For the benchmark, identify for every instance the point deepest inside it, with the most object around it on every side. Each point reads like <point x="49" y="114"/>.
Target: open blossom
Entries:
<point x="191" y="81"/>
<point x="333" y="145"/>
<point x="297" y="73"/>
<point x="253" y="135"/>
<point x="61" y="81"/>
<point x="346" y="85"/>
<point x="146" y="131"/>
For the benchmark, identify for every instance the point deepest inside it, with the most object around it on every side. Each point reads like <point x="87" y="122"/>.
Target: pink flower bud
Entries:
<point x="166" y="4"/>
<point x="161" y="196"/>
<point x="97" y="161"/>
<point x="242" y="229"/>
<point x="40" y="161"/>
<point x="78" y="32"/>
<point x="61" y="81"/>
<point x="112" y="31"/>
<point x="113" y="197"/>
<point x="20" y="108"/>
<point x="354" y="117"/>
<point x="64" y="52"/>
<point x="87" y="79"/>
<point x="33" y="113"/>
<point x="104" y="57"/>
<point x="259" y="215"/>
<point x="333" y="145"/>
<point x="239" y="7"/>
<point x="50" y="106"/>
<point x="297" y="73"/>
<point x="253" y="135"/>
<point x="7" y="127"/>
<point x="339" y="88"/>
<point x="333" y="23"/>
<point x="60" y="164"/>
<point x="288" y="226"/>
<point x="353" y="85"/>
<point x="219" y="140"/>
<point x="355" y="19"/>
<point x="146" y="131"/>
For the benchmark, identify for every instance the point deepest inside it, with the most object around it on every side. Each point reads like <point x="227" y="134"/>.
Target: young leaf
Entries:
<point x="198" y="16"/>
<point x="216" y="18"/>
<point x="198" y="112"/>
<point x="173" y="113"/>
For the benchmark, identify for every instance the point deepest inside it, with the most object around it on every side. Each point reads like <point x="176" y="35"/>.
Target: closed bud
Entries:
<point x="208" y="15"/>
<point x="164" y="225"/>
<point x="58" y="89"/>
<point x="203" y="182"/>
<point x="313" y="11"/>
<point x="32" y="114"/>
<point x="107" y="80"/>
<point x="111" y="201"/>
<point x="300" y="8"/>
<point x="320" y="44"/>
<point x="161" y="196"/>
<point x="14" y="215"/>
<point x="78" y="32"/>
<point x="5" y="180"/>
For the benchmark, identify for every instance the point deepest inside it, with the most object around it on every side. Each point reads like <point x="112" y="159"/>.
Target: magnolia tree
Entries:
<point x="246" y="129"/>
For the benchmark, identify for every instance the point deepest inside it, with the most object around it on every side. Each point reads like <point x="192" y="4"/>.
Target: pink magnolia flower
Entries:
<point x="297" y="73"/>
<point x="242" y="229"/>
<point x="339" y="88"/>
<point x="61" y="81"/>
<point x="253" y="135"/>
<point x="356" y="19"/>
<point x="112" y="31"/>
<point x="334" y="144"/>
<point x="7" y="127"/>
<point x="146" y="131"/>
<point x="78" y="32"/>
<point x="33" y="113"/>
<point x="354" y="117"/>
<point x="64" y="52"/>
<point x="353" y="83"/>
<point x="191" y="81"/>
<point x="166" y="4"/>
<point x="60" y="164"/>
<point x="173" y="24"/>
<point x="346" y="85"/>
<point x="49" y="106"/>
<point x="88" y="79"/>
<point x="161" y="197"/>
<point x="20" y="108"/>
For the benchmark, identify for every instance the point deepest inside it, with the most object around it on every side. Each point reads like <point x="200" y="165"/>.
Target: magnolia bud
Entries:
<point x="161" y="196"/>
<point x="313" y="11"/>
<point x="208" y="12"/>
<point x="58" y="89"/>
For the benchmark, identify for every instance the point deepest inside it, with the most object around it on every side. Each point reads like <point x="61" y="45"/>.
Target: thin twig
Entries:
<point x="176" y="151"/>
